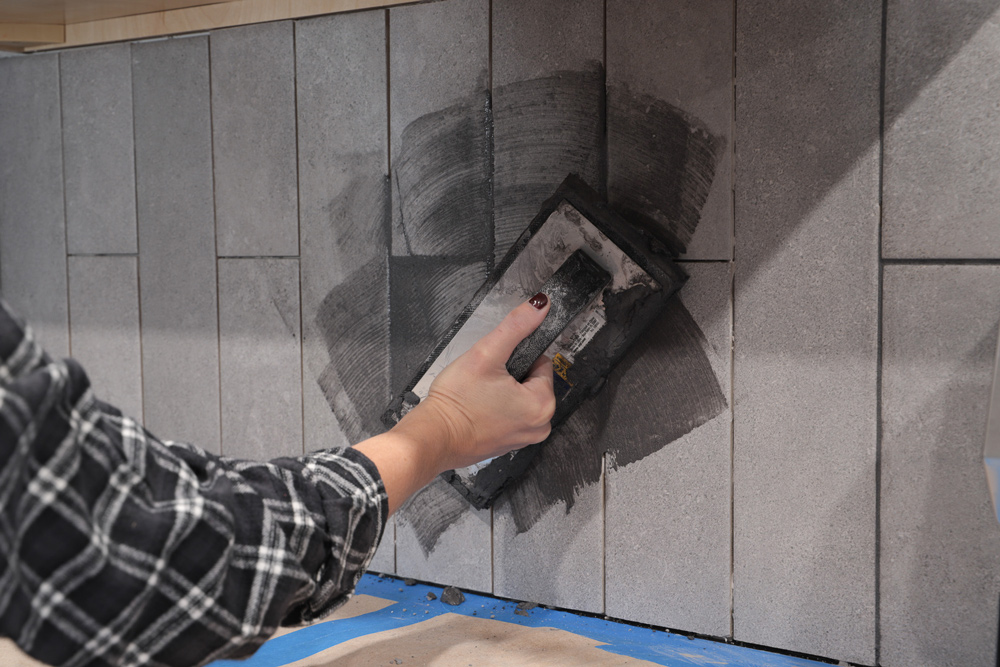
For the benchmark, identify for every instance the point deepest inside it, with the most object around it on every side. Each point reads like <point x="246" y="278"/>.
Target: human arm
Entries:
<point x="474" y="411"/>
<point x="117" y="548"/>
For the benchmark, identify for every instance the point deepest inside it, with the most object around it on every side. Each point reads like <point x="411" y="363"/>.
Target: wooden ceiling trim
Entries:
<point x="201" y="18"/>
<point x="21" y="35"/>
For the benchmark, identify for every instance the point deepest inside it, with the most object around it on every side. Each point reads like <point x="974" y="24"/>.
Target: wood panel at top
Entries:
<point x="74" y="11"/>
<point x="66" y="26"/>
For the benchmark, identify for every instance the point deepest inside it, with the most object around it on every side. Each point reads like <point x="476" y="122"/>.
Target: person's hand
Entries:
<point x="474" y="410"/>
<point x="484" y="410"/>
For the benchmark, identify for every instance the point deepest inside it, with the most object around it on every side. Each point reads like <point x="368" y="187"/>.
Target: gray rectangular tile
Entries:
<point x="940" y="570"/>
<point x="548" y="94"/>
<point x="667" y="532"/>
<point x="177" y="265"/>
<point x="440" y="135"/>
<point x="253" y="137"/>
<point x="104" y="322"/>
<point x="427" y="294"/>
<point x="384" y="560"/>
<point x="32" y="222"/>
<point x="805" y="314"/>
<point x="670" y="118"/>
<point x="548" y="105"/>
<point x="528" y="566"/>
<point x="98" y="149"/>
<point x="942" y="131"/>
<point x="343" y="186"/>
<point x="442" y="539"/>
<point x="260" y="358"/>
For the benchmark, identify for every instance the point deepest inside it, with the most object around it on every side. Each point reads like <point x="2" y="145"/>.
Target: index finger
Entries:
<point x="519" y="323"/>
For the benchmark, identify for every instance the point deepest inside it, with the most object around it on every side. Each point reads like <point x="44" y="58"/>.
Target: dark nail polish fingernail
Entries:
<point x="539" y="300"/>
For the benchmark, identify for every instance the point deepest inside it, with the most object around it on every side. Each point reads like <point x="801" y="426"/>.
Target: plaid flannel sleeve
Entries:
<point x="120" y="549"/>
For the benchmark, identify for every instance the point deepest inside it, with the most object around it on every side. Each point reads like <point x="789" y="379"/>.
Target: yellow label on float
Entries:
<point x="561" y="366"/>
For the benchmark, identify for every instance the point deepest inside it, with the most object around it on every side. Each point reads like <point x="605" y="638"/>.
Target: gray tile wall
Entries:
<point x="540" y="136"/>
<point x="942" y="140"/>
<point x="938" y="340"/>
<point x="218" y="225"/>
<point x="673" y="567"/>
<point x="104" y="324"/>
<point x="177" y="254"/>
<point x="535" y="42"/>
<point x="32" y="215"/>
<point x="644" y="46"/>
<point x="806" y="327"/>
<point x="98" y="151"/>
<point x="259" y="311"/>
<point x="256" y="189"/>
<point x="344" y="230"/>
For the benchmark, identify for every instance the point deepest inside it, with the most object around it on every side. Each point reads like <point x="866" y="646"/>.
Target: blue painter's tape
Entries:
<point x="661" y="648"/>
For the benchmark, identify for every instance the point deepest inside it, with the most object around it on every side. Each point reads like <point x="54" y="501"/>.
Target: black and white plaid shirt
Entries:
<point x="119" y="549"/>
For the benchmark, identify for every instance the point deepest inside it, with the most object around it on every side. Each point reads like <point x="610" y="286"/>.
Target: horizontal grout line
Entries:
<point x="102" y="254"/>
<point x="258" y="257"/>
<point x="984" y="261"/>
<point x="703" y="261"/>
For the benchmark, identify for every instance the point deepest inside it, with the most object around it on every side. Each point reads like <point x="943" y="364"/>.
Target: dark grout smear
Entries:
<point x="661" y="163"/>
<point x="353" y="317"/>
<point x="441" y="182"/>
<point x="663" y="389"/>
<point x="427" y="294"/>
<point x="432" y="510"/>
<point x="544" y="129"/>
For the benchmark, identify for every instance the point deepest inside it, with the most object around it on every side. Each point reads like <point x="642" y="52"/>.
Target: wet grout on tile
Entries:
<point x="343" y="189"/>
<point x="548" y="106"/>
<point x="670" y="119"/>
<point x="440" y="134"/>
<point x="668" y="530"/>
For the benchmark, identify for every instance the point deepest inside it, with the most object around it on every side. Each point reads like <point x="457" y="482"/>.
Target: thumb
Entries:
<point x="540" y="376"/>
<point x="519" y="323"/>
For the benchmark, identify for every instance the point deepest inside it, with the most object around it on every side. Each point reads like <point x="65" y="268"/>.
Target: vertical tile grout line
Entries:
<point x="215" y="233"/>
<point x="62" y="178"/>
<point x="732" y="345"/>
<point x="491" y="258"/>
<point x="388" y="227"/>
<point x="298" y="230"/>
<point x="878" y="340"/>
<point x="138" y="265"/>
<point x="604" y="153"/>
<point x="605" y="158"/>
